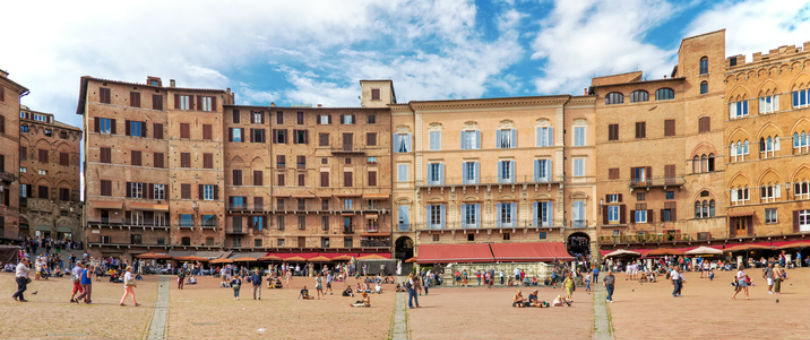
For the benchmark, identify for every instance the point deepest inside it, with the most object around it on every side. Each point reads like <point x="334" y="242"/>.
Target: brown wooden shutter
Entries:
<point x="354" y="119"/>
<point x="126" y="127"/>
<point x="213" y="103"/>
<point x="157" y="102"/>
<point x="150" y="191"/>
<point x="207" y="131"/>
<point x="135" y="99"/>
<point x="306" y="137"/>
<point x="96" y="124"/>
<point x="632" y="216"/>
<point x="216" y="192"/>
<point x="329" y="120"/>
<point x="623" y="214"/>
<point x="620" y="197"/>
<point x="347" y="179"/>
<point x="129" y="189"/>
<point x="200" y="191"/>
<point x="261" y="114"/>
<point x="650" y="216"/>
<point x="177" y="101"/>
<point x="795" y="221"/>
<point x="280" y="181"/>
<point x="112" y="126"/>
<point x="324" y="179"/>
<point x="208" y="161"/>
<point x="372" y="178"/>
<point x="242" y="133"/>
<point x="230" y="134"/>
<point x="604" y="214"/>
<point x="258" y="178"/>
<point x="236" y="116"/>
<point x="185" y="191"/>
<point x="649" y="174"/>
<point x="673" y="214"/>
<point x="192" y="102"/>
<point x="158" y="133"/>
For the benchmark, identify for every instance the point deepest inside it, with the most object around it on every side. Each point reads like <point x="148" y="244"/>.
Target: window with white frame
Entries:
<point x="768" y="104"/>
<point x="23" y="170"/>
<point x="237" y="134"/>
<point x="348" y="119"/>
<point x="506" y="138"/>
<point x="768" y="146"/>
<point x="403" y="218"/>
<point x="159" y="191"/>
<point x="613" y="213"/>
<point x="801" y="190"/>
<point x="641" y="216"/>
<point x="545" y="136"/>
<point x="579" y="166"/>
<point x="256" y="117"/>
<point x="738" y="109"/>
<point x="435" y="216"/>
<point x="770" y="192"/>
<point x="506" y="171"/>
<point x="136" y="189"/>
<point x="184" y="102"/>
<point x="435" y="173"/>
<point x="579" y="136"/>
<point x="579" y="213"/>
<point x="348" y="203"/>
<point x="323" y="120"/>
<point x="738" y="150"/>
<point x="801" y="98"/>
<point x="804" y="220"/>
<point x="470" y="140"/>
<point x="739" y="196"/>
<point x="543" y="214"/>
<point x="435" y="142"/>
<point x="801" y="142"/>
<point x="506" y="214"/>
<point x="402" y="142"/>
<point x="542" y="170"/>
<point x="206" y="104"/>
<point x="612" y="198"/>
<point x="208" y="192"/>
<point x="471" y="215"/>
<point x="771" y="216"/>
<point x="469" y="172"/>
<point x="402" y="172"/>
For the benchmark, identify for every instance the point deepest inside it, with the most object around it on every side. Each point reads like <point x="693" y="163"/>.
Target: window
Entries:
<point x="301" y="162"/>
<point x="372" y="178"/>
<point x="614" y="98"/>
<point x="641" y="216"/>
<point x="135" y="158"/>
<point x="64" y="194"/>
<point x="670" y="195"/>
<point x="347" y="179"/>
<point x="347" y="119"/>
<point x="103" y="125"/>
<point x="185" y="191"/>
<point x="579" y="136"/>
<point x="135" y="190"/>
<point x="302" y="222"/>
<point x="300" y="137"/>
<point x="208" y="192"/>
<point x="641" y="130"/>
<point x="106" y="188"/>
<point x="506" y="171"/>
<point x="613" y="213"/>
<point x="543" y="214"/>
<point x="183" y="102"/>
<point x="664" y="93"/>
<point x="704" y="124"/>
<point x="506" y="214"/>
<point x="281" y="161"/>
<point x="375" y="94"/>
<point x="579" y="213"/>
<point x="739" y="196"/>
<point x="104" y="95"/>
<point x="769" y="193"/>
<point x="323" y="139"/>
<point x="279" y="117"/>
<point x="48" y="132"/>
<point x="613" y="173"/>
<point x="613" y="132"/>
<point x="579" y="166"/>
<point x="258" y="178"/>
<point x="257" y="136"/>
<point x="669" y="127"/>
<point x="436" y="238"/>
<point x="2" y="162"/>
<point x="470" y="215"/>
<point x="186" y="220"/>
<point x="42" y="172"/>
<point x="235" y="135"/>
<point x="435" y="140"/>
<point x="157" y="102"/>
<point x="738" y="109"/>
<point x="371" y="160"/>
<point x="402" y="142"/>
<point x="801" y="98"/>
<point x="402" y="172"/>
<point x="771" y="216"/>
<point x="371" y="119"/>
<point x="43" y="156"/>
<point x="280" y="136"/>
<point x="768" y="146"/>
<point x="159" y="191"/>
<point x="257" y="117"/>
<point x="208" y="161"/>
<point x="435" y="216"/>
<point x="435" y="173"/>
<point x="469" y="172"/>
<point x="801" y="142"/>
<point x="348" y="242"/>
<point x="280" y="180"/>
<point x="403" y="218"/>
<point x="801" y="190"/>
<point x="542" y="170"/>
<point x="135" y="99"/>
<point x="185" y="131"/>
<point x="506" y="138"/>
<point x="299" y="118"/>
<point x="639" y="96"/>
<point x="545" y="136"/>
<point x="704" y="65"/>
<point x="24" y="128"/>
<point x="208" y="220"/>
<point x="207" y="132"/>
<point x="42" y="192"/>
<point x="802" y="220"/>
<point x="324" y="119"/>
<point x="371" y="139"/>
<point x="185" y="160"/>
<point x="768" y="104"/>
<point x="64" y="159"/>
<point x="302" y="180"/>
<point x="704" y="87"/>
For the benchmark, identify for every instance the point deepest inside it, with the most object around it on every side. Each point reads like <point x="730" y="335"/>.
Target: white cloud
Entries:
<point x="582" y="39"/>
<point x="756" y="26"/>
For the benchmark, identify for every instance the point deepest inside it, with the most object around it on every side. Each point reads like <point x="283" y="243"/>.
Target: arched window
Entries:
<point x="664" y="93"/>
<point x="697" y="209"/>
<point x="769" y="144"/>
<point x="614" y="98"/>
<point x="639" y="96"/>
<point x="704" y="87"/>
<point x="704" y="65"/>
<point x="711" y="162"/>
<point x="711" y="208"/>
<point x="745" y="147"/>
<point x="796" y="141"/>
<point x="762" y="145"/>
<point x="704" y="163"/>
<point x="705" y="212"/>
<point x="696" y="165"/>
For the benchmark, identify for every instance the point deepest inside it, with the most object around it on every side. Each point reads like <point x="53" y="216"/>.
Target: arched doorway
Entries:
<point x="403" y="248"/>
<point x="579" y="244"/>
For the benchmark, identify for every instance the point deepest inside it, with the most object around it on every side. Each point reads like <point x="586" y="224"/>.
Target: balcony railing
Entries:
<point x="459" y="181"/>
<point x="348" y="149"/>
<point x="348" y="230"/>
<point x="484" y="226"/>
<point x="235" y="231"/>
<point x="375" y="243"/>
<point x="658" y="182"/>
<point x="309" y="209"/>
<point x="128" y="224"/>
<point x="403" y="227"/>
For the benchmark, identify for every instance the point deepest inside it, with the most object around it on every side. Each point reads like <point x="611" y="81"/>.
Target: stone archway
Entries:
<point x="403" y="248"/>
<point x="578" y="244"/>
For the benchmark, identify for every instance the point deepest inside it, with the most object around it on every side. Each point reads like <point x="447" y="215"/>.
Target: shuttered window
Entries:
<point x="236" y="116"/>
<point x="371" y="139"/>
<point x="613" y="173"/>
<point x="185" y="131"/>
<point x="157" y="102"/>
<point x="106" y="188"/>
<point x="641" y="130"/>
<point x="237" y="177"/>
<point x="43" y="156"/>
<point x="185" y="160"/>
<point x="208" y="161"/>
<point x="613" y="132"/>
<point x="185" y="191"/>
<point x="158" y="130"/>
<point x="135" y="99"/>
<point x="135" y="158"/>
<point x="206" y="131"/>
<point x="324" y="179"/>
<point x="323" y="139"/>
<point x="280" y="180"/>
<point x="64" y="159"/>
<point x="704" y="124"/>
<point x="347" y="179"/>
<point x="158" y="160"/>
<point x="104" y="95"/>
<point x="258" y="178"/>
<point x="372" y="178"/>
<point x="669" y="127"/>
<point x="106" y="155"/>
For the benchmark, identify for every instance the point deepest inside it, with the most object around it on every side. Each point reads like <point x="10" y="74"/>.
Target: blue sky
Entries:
<point x="314" y="52"/>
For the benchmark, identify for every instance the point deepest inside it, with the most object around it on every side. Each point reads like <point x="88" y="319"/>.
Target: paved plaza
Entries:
<point x="205" y="311"/>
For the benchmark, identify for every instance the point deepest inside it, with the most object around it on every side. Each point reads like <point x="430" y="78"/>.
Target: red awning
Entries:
<point x="530" y="251"/>
<point x="286" y="255"/>
<point x="790" y="244"/>
<point x="642" y="251"/>
<point x="447" y="253"/>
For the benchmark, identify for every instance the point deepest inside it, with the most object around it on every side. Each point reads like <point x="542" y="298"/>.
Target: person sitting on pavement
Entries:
<point x="560" y="300"/>
<point x="348" y="291"/>
<point x="304" y="294"/>
<point x="518" y="300"/>
<point x="364" y="303"/>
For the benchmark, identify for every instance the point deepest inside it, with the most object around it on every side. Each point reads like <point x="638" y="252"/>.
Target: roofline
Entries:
<point x="383" y="80"/>
<point x="305" y="108"/>
<point x="473" y="100"/>
<point x="63" y="126"/>
<point x="618" y="74"/>
<point x="22" y="89"/>
<point x="85" y="79"/>
<point x="698" y="36"/>
<point x="592" y="87"/>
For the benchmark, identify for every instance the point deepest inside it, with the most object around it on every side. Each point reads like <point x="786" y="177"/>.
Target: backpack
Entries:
<point x="408" y="284"/>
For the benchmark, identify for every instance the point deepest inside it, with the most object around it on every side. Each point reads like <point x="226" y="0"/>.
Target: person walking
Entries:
<point x="569" y="285"/>
<point x="21" y="277"/>
<point x="767" y="273"/>
<point x="410" y="285"/>
<point x="129" y="286"/>
<point x="87" y="284"/>
<point x="181" y="278"/>
<point x="609" y="281"/>
<point x="319" y="286"/>
<point x="256" y="281"/>
<point x="778" y="276"/>
<point x="677" y="282"/>
<point x="742" y="284"/>
<point x="76" y="277"/>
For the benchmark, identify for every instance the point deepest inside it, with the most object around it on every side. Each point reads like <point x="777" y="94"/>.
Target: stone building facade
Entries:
<point x="10" y="93"/>
<point x="49" y="177"/>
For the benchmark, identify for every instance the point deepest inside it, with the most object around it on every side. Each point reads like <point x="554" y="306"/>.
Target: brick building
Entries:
<point x="10" y="93"/>
<point x="49" y="177"/>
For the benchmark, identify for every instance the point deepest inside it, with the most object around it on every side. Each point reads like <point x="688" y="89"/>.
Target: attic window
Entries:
<point x="375" y="94"/>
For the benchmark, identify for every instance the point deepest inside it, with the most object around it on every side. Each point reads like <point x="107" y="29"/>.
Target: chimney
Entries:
<point x="585" y="91"/>
<point x="320" y="105"/>
<point x="272" y="104"/>
<point x="171" y="82"/>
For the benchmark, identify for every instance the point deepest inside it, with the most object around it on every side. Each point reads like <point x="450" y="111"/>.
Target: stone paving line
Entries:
<point x="400" y="327"/>
<point x="157" y="327"/>
<point x="601" y="323"/>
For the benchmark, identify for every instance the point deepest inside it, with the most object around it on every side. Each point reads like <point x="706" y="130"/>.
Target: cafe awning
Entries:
<point x="791" y="244"/>
<point x="107" y="204"/>
<point x="148" y="206"/>
<point x="530" y="251"/>
<point x="747" y="246"/>
<point x="448" y="253"/>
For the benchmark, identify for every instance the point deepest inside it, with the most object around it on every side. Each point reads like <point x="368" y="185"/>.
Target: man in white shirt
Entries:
<point x="677" y="282"/>
<point x="21" y="276"/>
<point x="75" y="276"/>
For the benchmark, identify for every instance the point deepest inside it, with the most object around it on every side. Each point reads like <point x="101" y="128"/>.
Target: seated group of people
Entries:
<point x="533" y="301"/>
<point x="274" y="283"/>
<point x="366" y="288"/>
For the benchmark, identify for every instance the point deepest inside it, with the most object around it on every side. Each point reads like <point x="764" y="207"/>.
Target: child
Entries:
<point x="236" y="284"/>
<point x="304" y="294"/>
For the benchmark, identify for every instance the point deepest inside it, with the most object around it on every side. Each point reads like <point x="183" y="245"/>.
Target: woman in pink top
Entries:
<point x="129" y="287"/>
